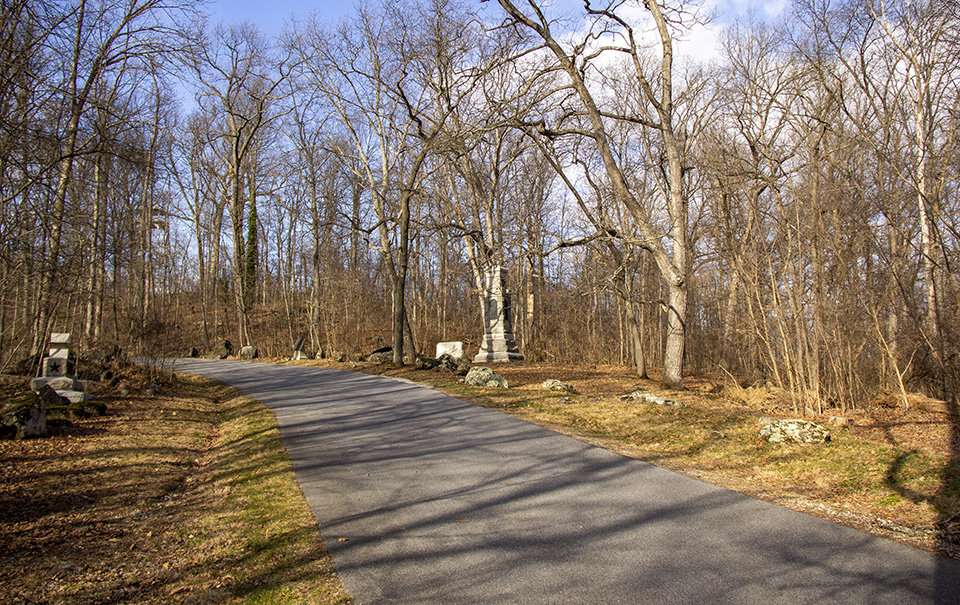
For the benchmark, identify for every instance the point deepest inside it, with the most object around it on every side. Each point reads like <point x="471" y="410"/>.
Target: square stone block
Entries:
<point x="453" y="348"/>
<point x="54" y="366"/>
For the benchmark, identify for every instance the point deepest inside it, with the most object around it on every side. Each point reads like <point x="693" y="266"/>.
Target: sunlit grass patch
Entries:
<point x="261" y="540"/>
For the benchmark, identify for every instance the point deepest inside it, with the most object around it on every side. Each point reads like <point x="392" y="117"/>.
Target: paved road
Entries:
<point x="422" y="498"/>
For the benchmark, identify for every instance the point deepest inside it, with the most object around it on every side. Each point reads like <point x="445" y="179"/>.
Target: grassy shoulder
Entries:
<point x="188" y="497"/>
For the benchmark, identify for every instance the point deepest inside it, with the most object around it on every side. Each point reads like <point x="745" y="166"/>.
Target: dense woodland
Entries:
<point x="785" y="212"/>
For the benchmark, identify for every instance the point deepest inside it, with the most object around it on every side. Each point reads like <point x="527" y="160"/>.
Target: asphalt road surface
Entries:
<point x="422" y="498"/>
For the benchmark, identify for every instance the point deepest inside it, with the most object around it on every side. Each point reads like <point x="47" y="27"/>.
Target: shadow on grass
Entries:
<point x="945" y="500"/>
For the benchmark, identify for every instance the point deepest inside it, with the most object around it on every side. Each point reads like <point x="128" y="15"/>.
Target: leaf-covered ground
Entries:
<point x="186" y="497"/>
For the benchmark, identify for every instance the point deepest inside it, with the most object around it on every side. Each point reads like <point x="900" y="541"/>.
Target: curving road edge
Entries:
<point x="422" y="498"/>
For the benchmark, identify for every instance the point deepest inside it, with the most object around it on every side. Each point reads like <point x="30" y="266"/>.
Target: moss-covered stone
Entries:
<point x="76" y="411"/>
<point x="23" y="415"/>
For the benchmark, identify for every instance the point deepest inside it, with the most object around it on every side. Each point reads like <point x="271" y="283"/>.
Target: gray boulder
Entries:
<point x="643" y="397"/>
<point x="249" y="352"/>
<point x="552" y="384"/>
<point x="384" y="357"/>
<point x="24" y="415"/>
<point x="426" y="363"/>
<point x="448" y="362"/>
<point x="792" y="431"/>
<point x="223" y="350"/>
<point x="51" y="397"/>
<point x="481" y="376"/>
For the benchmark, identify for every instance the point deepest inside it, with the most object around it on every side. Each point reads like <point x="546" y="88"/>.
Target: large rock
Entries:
<point x="480" y="376"/>
<point x="249" y="352"/>
<point x="223" y="350"/>
<point x="50" y="397"/>
<point x="643" y="397"/>
<point x="23" y="415"/>
<point x="448" y="362"/>
<point x="382" y="355"/>
<point x="792" y="431"/>
<point x="426" y="363"/>
<point x="552" y="384"/>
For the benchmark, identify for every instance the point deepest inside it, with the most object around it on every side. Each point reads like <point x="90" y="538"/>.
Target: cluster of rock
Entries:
<point x="792" y="431"/>
<point x="644" y="397"/>
<point x="449" y="357"/>
<point x="224" y="349"/>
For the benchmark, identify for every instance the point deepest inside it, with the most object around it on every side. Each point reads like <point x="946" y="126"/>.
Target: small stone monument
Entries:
<point x="498" y="343"/>
<point x="56" y="371"/>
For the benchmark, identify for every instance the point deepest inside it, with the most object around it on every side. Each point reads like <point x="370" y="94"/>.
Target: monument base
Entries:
<point x="498" y="348"/>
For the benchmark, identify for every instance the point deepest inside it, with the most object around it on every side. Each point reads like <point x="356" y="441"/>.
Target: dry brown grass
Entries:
<point x="188" y="497"/>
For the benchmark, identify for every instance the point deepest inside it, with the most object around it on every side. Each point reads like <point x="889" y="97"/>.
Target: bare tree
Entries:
<point x="652" y="107"/>
<point x="240" y="85"/>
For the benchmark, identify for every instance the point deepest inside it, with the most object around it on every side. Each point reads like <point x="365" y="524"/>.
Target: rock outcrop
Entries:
<point x="481" y="376"/>
<point x="792" y="431"/>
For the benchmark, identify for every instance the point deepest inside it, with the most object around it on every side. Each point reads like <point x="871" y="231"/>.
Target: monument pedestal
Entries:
<point x="57" y="371"/>
<point x="498" y="343"/>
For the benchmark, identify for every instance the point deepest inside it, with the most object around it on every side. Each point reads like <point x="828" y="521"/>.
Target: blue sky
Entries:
<point x="270" y="15"/>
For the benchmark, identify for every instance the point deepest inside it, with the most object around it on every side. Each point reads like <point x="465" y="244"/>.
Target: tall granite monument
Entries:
<point x="498" y="343"/>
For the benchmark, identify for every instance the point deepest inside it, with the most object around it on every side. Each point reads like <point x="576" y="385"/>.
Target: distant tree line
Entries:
<point x="786" y="213"/>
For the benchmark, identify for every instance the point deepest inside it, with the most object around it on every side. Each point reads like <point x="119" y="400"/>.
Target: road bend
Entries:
<point x="423" y="498"/>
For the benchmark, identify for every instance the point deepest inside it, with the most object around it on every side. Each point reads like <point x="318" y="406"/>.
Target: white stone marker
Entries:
<point x="453" y="348"/>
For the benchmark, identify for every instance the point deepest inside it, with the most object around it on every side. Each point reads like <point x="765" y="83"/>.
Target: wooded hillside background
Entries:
<point x="785" y="213"/>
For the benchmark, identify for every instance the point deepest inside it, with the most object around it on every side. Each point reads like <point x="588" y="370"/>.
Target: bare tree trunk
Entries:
<point x="635" y="343"/>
